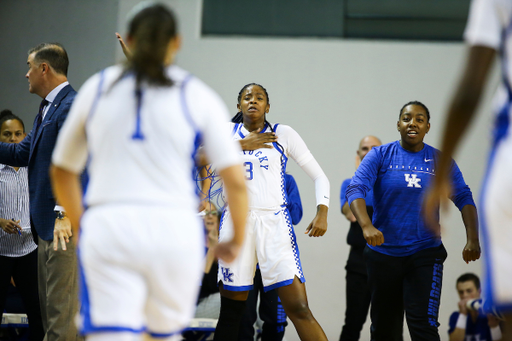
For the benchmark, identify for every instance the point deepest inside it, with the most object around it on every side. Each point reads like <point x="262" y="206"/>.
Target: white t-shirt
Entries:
<point x="265" y="167"/>
<point x="158" y="168"/>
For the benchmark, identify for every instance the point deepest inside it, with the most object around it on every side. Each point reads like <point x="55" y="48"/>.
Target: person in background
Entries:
<point x="18" y="252"/>
<point x="57" y="268"/>
<point x="470" y="324"/>
<point x="358" y="294"/>
<point x="404" y="257"/>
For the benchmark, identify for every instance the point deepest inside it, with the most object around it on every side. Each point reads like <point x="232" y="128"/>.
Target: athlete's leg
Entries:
<point x="250" y="316"/>
<point x="273" y="316"/>
<point x="232" y="307"/>
<point x="295" y="303"/>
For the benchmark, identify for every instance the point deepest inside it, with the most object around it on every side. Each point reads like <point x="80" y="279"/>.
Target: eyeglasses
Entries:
<point x="205" y="213"/>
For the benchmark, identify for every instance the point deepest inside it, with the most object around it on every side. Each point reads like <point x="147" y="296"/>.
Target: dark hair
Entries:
<point x="6" y="115"/>
<point x="152" y="27"/>
<point x="469" y="277"/>
<point x="238" y="118"/>
<point x="416" y="103"/>
<point x="52" y="53"/>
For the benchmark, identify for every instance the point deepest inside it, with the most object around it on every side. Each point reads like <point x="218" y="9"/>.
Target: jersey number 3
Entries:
<point x="248" y="169"/>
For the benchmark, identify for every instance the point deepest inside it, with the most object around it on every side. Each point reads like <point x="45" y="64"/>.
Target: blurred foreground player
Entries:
<point x="489" y="30"/>
<point x="142" y="243"/>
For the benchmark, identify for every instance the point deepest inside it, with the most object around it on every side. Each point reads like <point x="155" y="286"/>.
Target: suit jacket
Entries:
<point x="36" y="153"/>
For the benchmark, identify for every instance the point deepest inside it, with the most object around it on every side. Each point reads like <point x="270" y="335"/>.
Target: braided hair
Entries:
<point x="239" y="117"/>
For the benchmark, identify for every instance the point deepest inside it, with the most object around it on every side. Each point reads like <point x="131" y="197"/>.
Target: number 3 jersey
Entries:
<point x="265" y="167"/>
<point x="400" y="179"/>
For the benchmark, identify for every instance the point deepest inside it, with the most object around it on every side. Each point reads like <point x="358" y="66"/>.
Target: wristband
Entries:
<point x="495" y="333"/>
<point x="462" y="321"/>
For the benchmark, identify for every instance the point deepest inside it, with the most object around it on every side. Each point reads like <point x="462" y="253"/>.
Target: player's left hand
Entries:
<point x="227" y="251"/>
<point x="125" y="48"/>
<point x="318" y="226"/>
<point x="61" y="232"/>
<point x="471" y="251"/>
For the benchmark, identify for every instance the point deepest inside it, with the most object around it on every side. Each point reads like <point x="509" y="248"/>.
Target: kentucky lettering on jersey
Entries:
<point x="265" y="167"/>
<point x="399" y="178"/>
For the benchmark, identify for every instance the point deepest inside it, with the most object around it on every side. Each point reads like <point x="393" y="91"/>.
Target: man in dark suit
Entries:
<point x="57" y="267"/>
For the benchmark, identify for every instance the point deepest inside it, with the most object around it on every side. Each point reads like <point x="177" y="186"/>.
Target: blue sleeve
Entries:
<point x="294" y="203"/>
<point x="343" y="192"/>
<point x="453" y="321"/>
<point x="365" y="177"/>
<point x="461" y="195"/>
<point x="16" y="154"/>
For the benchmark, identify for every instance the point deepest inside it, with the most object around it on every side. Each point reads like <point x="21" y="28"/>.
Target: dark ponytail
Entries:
<point x="6" y="115"/>
<point x="152" y="27"/>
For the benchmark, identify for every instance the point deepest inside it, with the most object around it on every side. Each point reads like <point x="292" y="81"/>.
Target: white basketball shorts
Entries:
<point x="141" y="269"/>
<point x="270" y="241"/>
<point x="497" y="228"/>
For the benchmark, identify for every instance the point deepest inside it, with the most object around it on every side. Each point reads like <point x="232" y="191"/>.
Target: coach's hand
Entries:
<point x="373" y="236"/>
<point x="318" y="226"/>
<point x="255" y="140"/>
<point x="227" y="251"/>
<point x="61" y="232"/>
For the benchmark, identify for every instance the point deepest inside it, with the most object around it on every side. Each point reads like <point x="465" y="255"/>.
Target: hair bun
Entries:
<point x="5" y="112"/>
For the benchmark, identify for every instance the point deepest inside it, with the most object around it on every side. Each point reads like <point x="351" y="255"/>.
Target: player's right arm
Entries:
<point x="483" y="34"/>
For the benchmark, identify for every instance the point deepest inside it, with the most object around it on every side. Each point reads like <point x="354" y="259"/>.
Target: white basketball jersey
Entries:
<point x="142" y="151"/>
<point x="265" y="167"/>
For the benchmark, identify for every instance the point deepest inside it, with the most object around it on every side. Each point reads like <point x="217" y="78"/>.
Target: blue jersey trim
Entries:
<point x="235" y="128"/>
<point x="243" y="136"/>
<point x="163" y="335"/>
<point x="85" y="310"/>
<point x="236" y="288"/>
<point x="295" y="246"/>
<point x="138" y="135"/>
<point x="278" y="285"/>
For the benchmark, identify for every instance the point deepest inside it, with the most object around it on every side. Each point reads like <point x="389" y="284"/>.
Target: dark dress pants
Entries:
<point x="411" y="284"/>
<point x="358" y="302"/>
